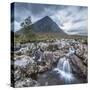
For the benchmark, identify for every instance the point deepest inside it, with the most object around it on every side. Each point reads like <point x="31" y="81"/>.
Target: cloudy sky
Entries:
<point x="71" y="19"/>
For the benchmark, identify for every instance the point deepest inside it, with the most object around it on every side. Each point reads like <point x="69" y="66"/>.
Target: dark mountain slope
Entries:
<point x="46" y="24"/>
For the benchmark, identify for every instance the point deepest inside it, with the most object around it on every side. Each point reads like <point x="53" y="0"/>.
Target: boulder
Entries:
<point x="82" y="52"/>
<point x="78" y="67"/>
<point x="23" y="60"/>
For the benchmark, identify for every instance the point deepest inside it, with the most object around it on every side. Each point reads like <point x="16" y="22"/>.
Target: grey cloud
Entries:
<point x="69" y="18"/>
<point x="79" y="20"/>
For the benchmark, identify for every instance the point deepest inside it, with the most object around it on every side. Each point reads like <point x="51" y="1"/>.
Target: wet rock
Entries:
<point x="26" y="82"/>
<point x="17" y="74"/>
<point x="23" y="60"/>
<point x="43" y="45"/>
<point x="30" y="69"/>
<point x="82" y="52"/>
<point x="58" y="53"/>
<point x="52" y="47"/>
<point x="42" y="68"/>
<point x="37" y="54"/>
<point x="17" y="47"/>
<point x="78" y="67"/>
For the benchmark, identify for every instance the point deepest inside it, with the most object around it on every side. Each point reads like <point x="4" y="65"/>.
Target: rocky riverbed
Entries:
<point x="54" y="62"/>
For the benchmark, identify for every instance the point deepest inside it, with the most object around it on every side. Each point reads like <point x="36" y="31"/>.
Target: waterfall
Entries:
<point x="71" y="51"/>
<point x="64" y="70"/>
<point x="66" y="66"/>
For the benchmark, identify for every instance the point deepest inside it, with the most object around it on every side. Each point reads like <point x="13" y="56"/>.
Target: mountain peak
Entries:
<point x="46" y="24"/>
<point x="47" y="17"/>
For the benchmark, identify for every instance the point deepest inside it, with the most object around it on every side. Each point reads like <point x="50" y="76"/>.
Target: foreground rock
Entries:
<point x="82" y="52"/>
<point x="26" y="82"/>
<point x="78" y="68"/>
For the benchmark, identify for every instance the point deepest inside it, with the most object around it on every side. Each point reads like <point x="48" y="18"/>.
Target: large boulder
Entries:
<point x="23" y="60"/>
<point x="82" y="52"/>
<point x="78" y="68"/>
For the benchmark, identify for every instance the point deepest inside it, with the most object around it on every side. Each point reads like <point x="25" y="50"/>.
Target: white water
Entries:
<point x="66" y="67"/>
<point x="71" y="51"/>
<point x="63" y="67"/>
<point x="64" y="70"/>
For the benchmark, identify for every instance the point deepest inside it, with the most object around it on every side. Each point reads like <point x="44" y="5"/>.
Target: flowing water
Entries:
<point x="64" y="69"/>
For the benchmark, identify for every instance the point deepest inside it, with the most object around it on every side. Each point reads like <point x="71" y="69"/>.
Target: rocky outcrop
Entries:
<point x="82" y="52"/>
<point x="78" y="68"/>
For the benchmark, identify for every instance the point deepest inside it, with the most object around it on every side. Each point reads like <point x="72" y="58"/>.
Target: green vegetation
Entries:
<point x="31" y="36"/>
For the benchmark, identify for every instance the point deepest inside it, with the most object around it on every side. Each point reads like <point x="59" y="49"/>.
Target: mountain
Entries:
<point x="45" y="25"/>
<point x="43" y="29"/>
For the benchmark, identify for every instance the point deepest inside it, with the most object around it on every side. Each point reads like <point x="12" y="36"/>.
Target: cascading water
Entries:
<point x="64" y="69"/>
<point x="66" y="66"/>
